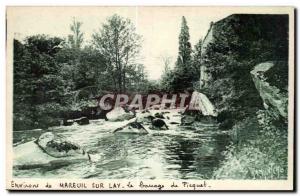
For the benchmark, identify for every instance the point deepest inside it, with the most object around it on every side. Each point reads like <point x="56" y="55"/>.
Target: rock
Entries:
<point x="82" y="121"/>
<point x="94" y="113"/>
<point x="159" y="115"/>
<point x="199" y="109"/>
<point x="119" y="114"/>
<point x="188" y="120"/>
<point x="48" y="151"/>
<point x="158" y="123"/>
<point x="91" y="113"/>
<point x="79" y="121"/>
<point x="68" y="122"/>
<point x="174" y="123"/>
<point x="132" y="127"/>
<point x="270" y="79"/>
<point x="200" y="102"/>
<point x="58" y="146"/>
<point x="191" y="112"/>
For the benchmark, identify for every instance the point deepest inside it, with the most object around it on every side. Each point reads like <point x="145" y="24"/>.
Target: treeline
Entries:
<point x="51" y="72"/>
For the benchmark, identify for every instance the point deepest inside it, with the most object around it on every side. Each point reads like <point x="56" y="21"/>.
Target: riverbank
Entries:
<point x="258" y="150"/>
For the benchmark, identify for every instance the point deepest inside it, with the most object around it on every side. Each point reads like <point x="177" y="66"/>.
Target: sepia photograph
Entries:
<point x="141" y="98"/>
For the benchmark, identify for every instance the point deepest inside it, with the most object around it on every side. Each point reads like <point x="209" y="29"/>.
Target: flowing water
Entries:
<point x="178" y="153"/>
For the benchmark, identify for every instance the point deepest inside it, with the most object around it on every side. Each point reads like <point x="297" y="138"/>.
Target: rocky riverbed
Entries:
<point x="181" y="152"/>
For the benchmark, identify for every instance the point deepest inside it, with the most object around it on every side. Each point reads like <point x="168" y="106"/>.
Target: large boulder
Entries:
<point x="200" y="109"/>
<point x="119" y="114"/>
<point x="200" y="102"/>
<point x="57" y="146"/>
<point x="271" y="81"/>
<point x="49" y="150"/>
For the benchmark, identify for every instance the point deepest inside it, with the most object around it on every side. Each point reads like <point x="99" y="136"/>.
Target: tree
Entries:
<point x="82" y="66"/>
<point x="136" y="79"/>
<point x="183" y="73"/>
<point x="196" y="58"/>
<point x="75" y="39"/>
<point x="72" y="53"/>
<point x="119" y="44"/>
<point x="167" y="76"/>
<point x="91" y="70"/>
<point x="185" y="50"/>
<point x="38" y="87"/>
<point x="43" y="67"/>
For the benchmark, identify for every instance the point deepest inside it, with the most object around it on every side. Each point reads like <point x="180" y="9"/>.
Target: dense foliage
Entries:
<point x="54" y="75"/>
<point x="36" y="80"/>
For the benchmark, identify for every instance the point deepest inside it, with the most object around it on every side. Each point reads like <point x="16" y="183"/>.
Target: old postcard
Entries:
<point x="150" y="98"/>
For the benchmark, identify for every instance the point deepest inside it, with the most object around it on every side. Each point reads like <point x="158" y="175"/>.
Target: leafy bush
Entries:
<point x="82" y="104"/>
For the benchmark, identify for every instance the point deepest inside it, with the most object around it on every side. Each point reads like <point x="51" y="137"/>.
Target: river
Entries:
<point x="178" y="153"/>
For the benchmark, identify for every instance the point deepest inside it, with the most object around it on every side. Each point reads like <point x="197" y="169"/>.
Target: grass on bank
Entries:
<point x="258" y="149"/>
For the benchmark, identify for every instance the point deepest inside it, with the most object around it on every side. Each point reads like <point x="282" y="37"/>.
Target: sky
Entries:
<point x="158" y="26"/>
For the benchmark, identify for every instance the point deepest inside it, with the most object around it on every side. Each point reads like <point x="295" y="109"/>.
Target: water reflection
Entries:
<point x="198" y="156"/>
